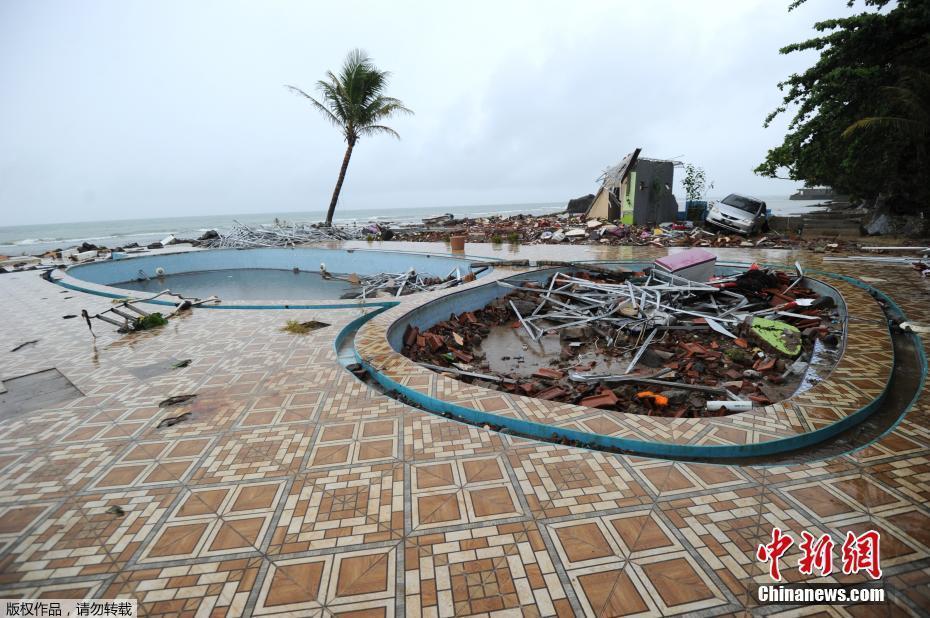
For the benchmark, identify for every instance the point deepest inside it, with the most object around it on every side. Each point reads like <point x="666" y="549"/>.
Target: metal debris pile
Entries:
<point x="279" y="234"/>
<point x="391" y="285"/>
<point x="650" y="342"/>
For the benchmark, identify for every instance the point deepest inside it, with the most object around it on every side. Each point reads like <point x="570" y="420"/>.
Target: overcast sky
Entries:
<point x="123" y="109"/>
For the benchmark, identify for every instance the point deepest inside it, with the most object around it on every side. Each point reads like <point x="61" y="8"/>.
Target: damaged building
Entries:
<point x="636" y="191"/>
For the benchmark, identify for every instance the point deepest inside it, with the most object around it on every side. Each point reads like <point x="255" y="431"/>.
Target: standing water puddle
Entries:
<point x="822" y="362"/>
<point x="510" y="351"/>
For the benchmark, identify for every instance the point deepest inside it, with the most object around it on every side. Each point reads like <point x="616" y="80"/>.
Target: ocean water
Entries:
<point x="36" y="239"/>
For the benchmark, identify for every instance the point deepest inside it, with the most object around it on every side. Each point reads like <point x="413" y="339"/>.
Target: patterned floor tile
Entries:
<point x="341" y="507"/>
<point x="257" y="453"/>
<point x="345" y="582"/>
<point x="455" y="492"/>
<point x="86" y="535"/>
<point x="292" y="488"/>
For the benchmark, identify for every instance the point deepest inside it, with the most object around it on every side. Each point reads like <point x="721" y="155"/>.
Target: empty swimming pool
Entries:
<point x="290" y="274"/>
<point x="244" y="284"/>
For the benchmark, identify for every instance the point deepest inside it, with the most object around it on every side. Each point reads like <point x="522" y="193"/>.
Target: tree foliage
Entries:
<point x="354" y="101"/>
<point x="861" y="116"/>
<point x="695" y="183"/>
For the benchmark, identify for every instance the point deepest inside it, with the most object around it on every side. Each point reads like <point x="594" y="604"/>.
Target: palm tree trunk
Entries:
<point x="342" y="177"/>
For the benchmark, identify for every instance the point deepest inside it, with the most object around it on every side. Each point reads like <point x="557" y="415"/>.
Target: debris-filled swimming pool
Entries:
<point x="648" y="342"/>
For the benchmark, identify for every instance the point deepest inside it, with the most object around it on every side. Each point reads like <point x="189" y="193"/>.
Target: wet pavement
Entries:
<point x="292" y="488"/>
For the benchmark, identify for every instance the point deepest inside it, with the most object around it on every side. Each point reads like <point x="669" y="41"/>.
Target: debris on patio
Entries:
<point x="296" y="327"/>
<point x="175" y="400"/>
<point x="171" y="421"/>
<point x="23" y="345"/>
<point x="651" y="342"/>
<point x="128" y="318"/>
<point x="149" y="321"/>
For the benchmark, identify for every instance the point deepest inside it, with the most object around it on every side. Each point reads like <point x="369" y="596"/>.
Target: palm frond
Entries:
<point x="319" y="106"/>
<point x="375" y="129"/>
<point x="334" y="97"/>
<point x="892" y="123"/>
<point x="389" y="105"/>
<point x="354" y="100"/>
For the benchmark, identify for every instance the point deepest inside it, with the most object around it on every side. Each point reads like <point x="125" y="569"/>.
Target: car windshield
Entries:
<point x="743" y="203"/>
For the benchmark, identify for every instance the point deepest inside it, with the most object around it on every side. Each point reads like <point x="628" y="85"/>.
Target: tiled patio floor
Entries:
<point x="294" y="489"/>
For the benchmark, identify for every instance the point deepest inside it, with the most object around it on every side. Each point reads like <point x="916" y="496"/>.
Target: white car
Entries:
<point x="739" y="213"/>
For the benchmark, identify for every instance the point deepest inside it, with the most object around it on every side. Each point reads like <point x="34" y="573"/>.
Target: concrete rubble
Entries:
<point x="644" y="342"/>
<point x="575" y="229"/>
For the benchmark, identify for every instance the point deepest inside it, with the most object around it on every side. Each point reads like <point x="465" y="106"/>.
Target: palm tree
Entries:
<point x="912" y="99"/>
<point x="354" y="102"/>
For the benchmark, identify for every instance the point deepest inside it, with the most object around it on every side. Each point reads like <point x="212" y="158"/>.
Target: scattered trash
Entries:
<point x="24" y="344"/>
<point x="784" y="338"/>
<point x="729" y="406"/>
<point x="650" y="342"/>
<point x="173" y="420"/>
<point x="653" y="399"/>
<point x="302" y="328"/>
<point x="357" y="370"/>
<point x="175" y="400"/>
<point x="146" y="322"/>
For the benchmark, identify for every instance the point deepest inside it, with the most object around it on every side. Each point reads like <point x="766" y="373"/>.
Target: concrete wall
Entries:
<point x="652" y="203"/>
<point x="600" y="207"/>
